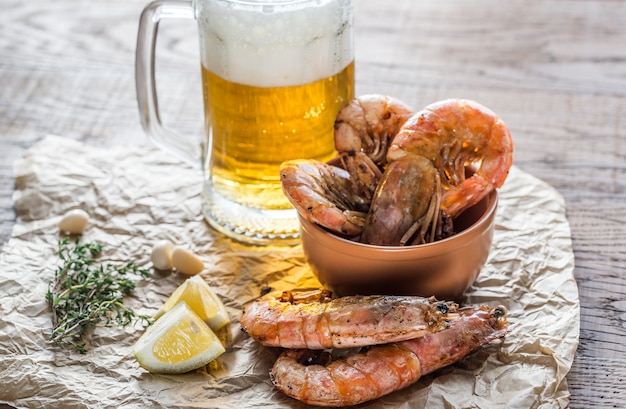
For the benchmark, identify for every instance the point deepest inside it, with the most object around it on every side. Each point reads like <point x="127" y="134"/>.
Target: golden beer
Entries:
<point x="254" y="129"/>
<point x="275" y="74"/>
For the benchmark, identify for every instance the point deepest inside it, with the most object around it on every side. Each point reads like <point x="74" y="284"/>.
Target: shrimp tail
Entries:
<point x="466" y="195"/>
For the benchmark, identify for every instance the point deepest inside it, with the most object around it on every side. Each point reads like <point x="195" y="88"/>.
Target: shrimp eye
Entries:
<point x="443" y="307"/>
<point x="499" y="312"/>
<point x="286" y="296"/>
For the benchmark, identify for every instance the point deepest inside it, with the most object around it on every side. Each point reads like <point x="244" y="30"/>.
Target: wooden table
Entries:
<point x="554" y="70"/>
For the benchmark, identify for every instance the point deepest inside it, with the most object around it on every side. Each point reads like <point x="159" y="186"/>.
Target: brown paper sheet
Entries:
<point x="136" y="197"/>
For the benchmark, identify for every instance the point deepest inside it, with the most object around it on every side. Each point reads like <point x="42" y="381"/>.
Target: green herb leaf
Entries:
<point x="83" y="295"/>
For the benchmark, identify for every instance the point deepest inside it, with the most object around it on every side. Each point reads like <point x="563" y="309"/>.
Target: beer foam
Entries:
<point x="286" y="43"/>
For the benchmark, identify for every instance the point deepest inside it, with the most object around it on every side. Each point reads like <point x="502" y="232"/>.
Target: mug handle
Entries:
<point x="161" y="135"/>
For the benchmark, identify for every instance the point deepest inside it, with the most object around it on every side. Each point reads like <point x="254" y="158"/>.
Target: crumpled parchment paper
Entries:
<point x="138" y="196"/>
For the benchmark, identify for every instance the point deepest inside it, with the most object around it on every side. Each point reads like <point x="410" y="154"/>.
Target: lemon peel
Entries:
<point x="178" y="342"/>
<point x="199" y="296"/>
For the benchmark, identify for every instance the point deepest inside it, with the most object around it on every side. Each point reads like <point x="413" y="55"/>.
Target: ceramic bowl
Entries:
<point x="445" y="269"/>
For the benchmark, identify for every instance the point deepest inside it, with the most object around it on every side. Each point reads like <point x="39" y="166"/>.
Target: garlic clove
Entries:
<point x="74" y="222"/>
<point x="161" y="255"/>
<point x="186" y="262"/>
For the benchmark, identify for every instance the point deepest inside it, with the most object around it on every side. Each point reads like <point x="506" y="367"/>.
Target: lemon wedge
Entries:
<point x="178" y="342"/>
<point x="200" y="297"/>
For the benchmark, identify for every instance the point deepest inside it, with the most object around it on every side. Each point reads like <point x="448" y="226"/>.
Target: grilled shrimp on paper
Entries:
<point x="315" y="378"/>
<point x="315" y="320"/>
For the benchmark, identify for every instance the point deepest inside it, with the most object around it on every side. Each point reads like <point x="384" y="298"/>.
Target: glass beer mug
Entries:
<point x="274" y="73"/>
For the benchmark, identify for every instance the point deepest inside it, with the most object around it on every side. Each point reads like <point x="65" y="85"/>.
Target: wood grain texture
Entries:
<point x="554" y="70"/>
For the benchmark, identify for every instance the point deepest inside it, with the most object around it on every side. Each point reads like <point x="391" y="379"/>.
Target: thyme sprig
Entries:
<point x="84" y="295"/>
